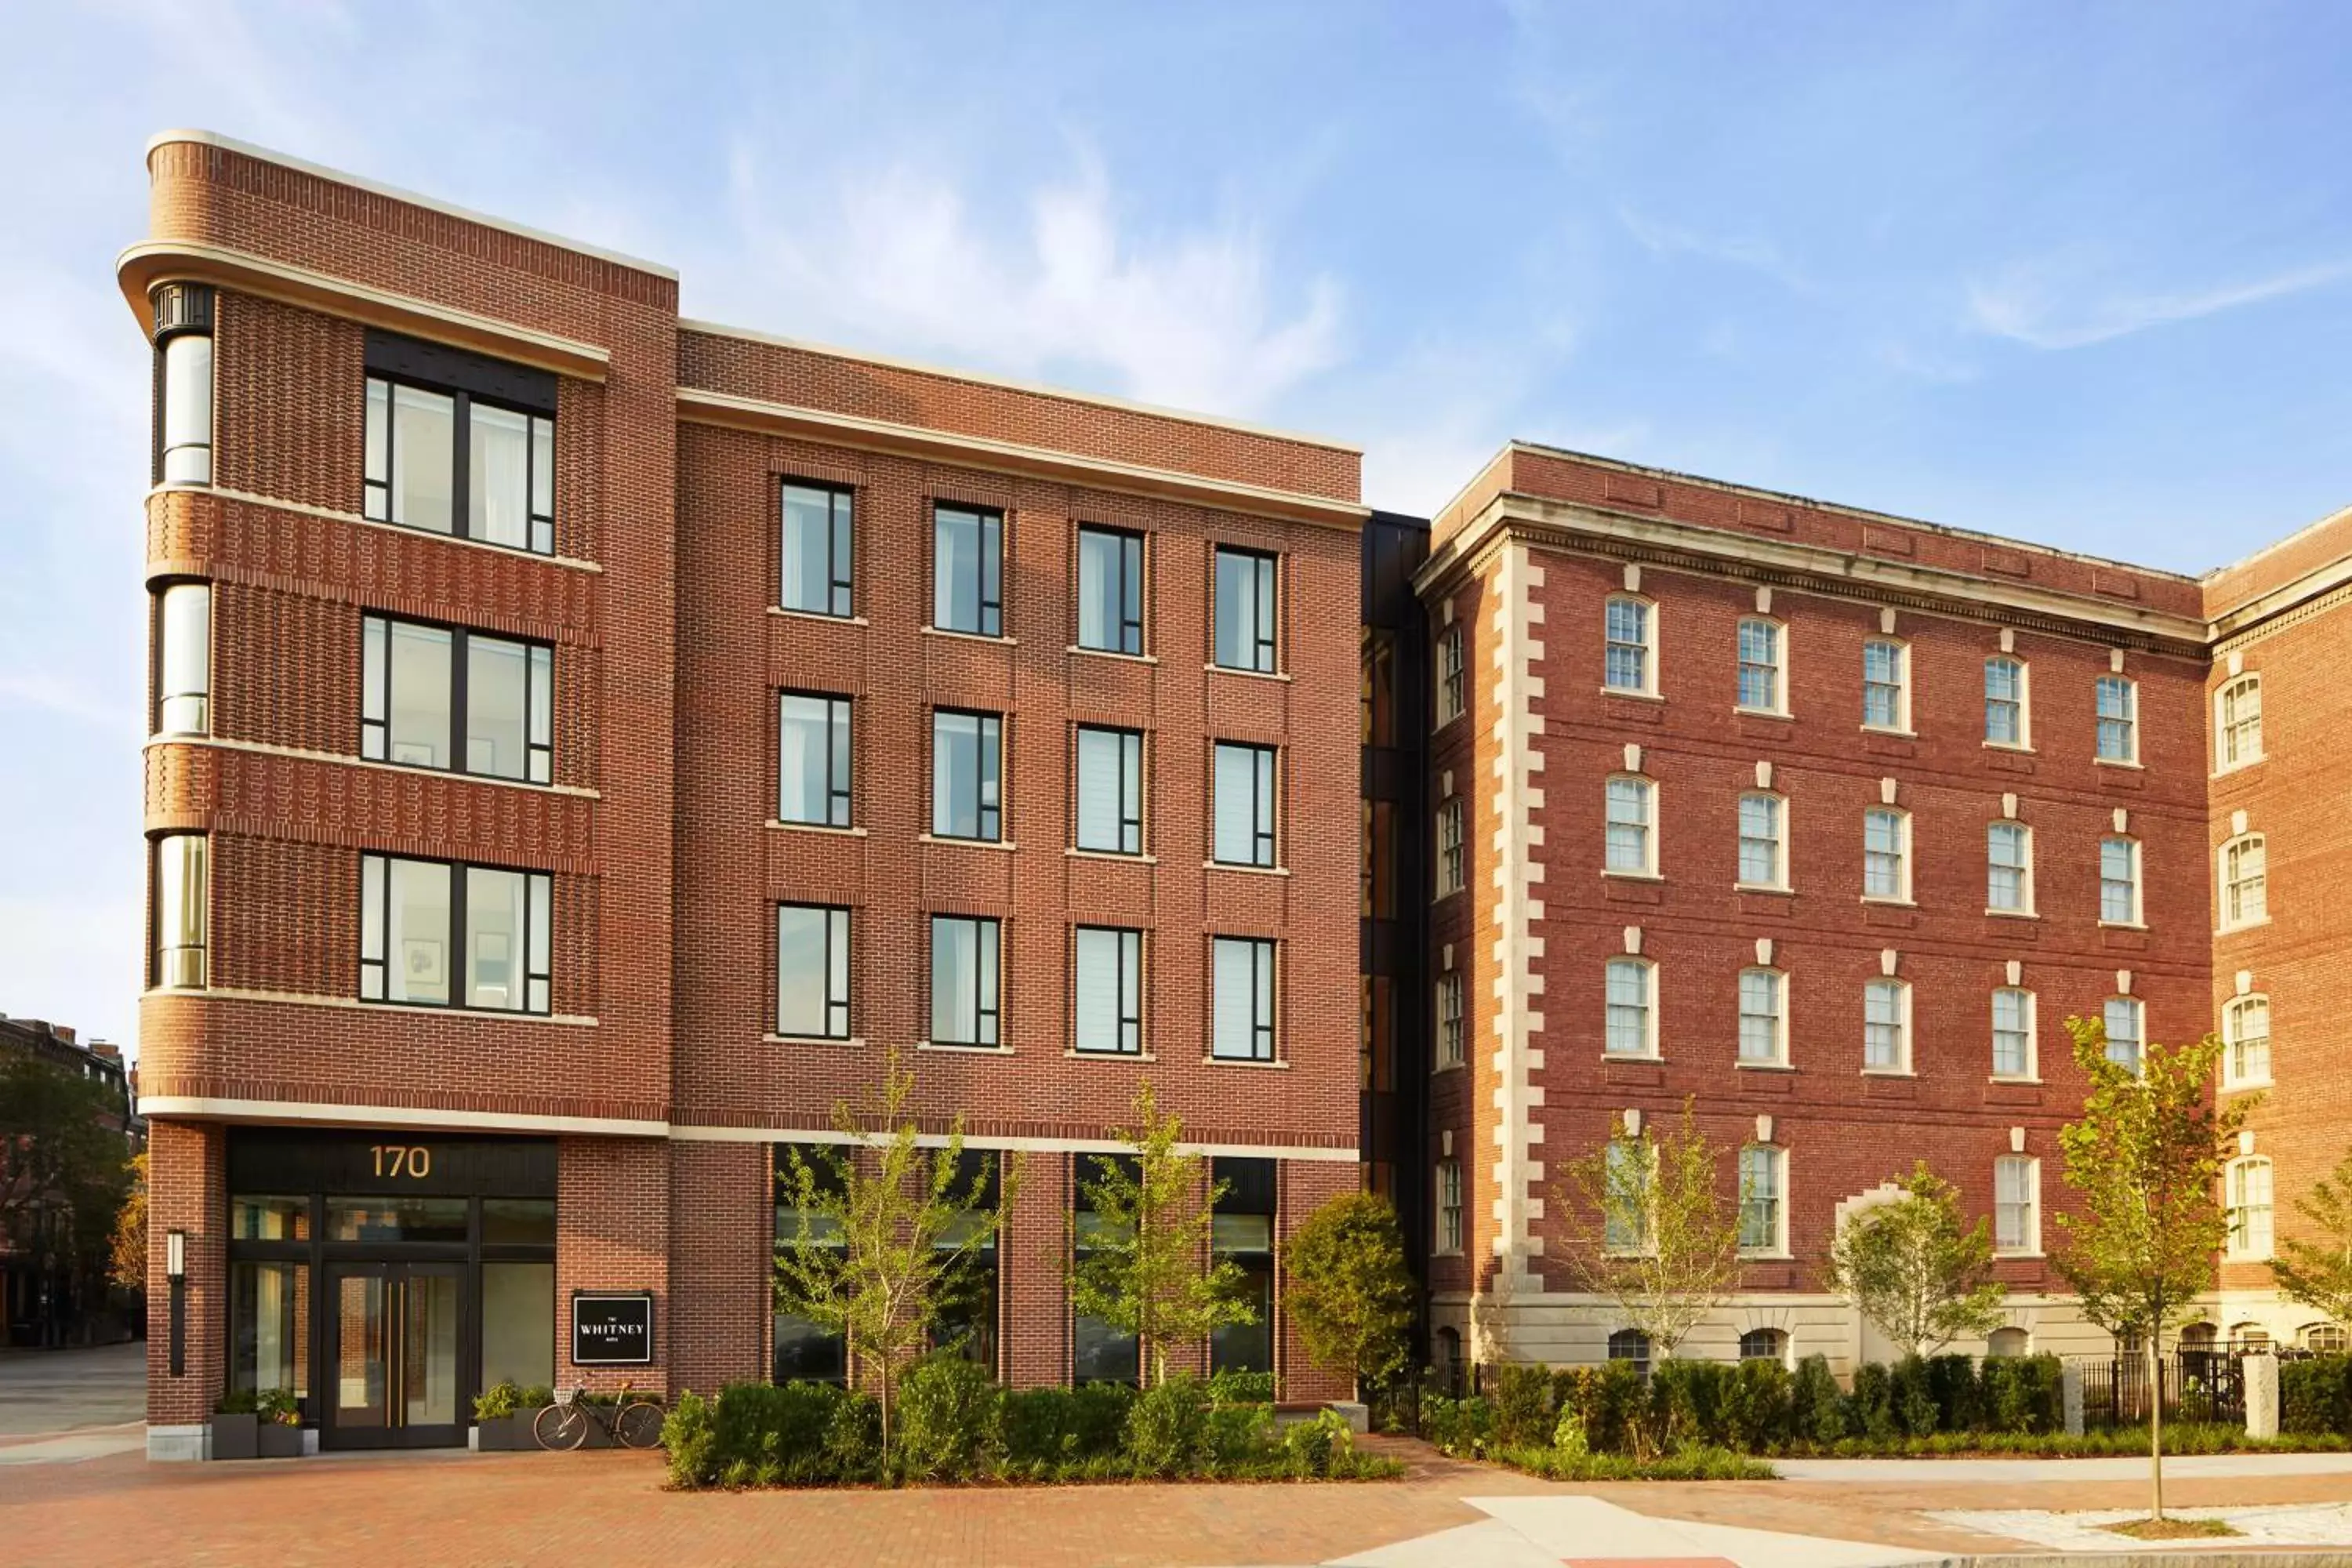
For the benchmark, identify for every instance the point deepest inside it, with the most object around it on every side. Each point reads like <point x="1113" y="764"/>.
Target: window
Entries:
<point x="1759" y="665"/>
<point x="2118" y="706"/>
<point x="1764" y="1344"/>
<point x="2124" y="1016"/>
<point x="183" y="905"/>
<point x="2120" y="881"/>
<point x="1246" y="610"/>
<point x="447" y="460"/>
<point x="805" y="1351"/>
<point x="970" y="1289"/>
<point x="1886" y="1026"/>
<point x="1627" y="1170"/>
<point x="816" y="550"/>
<point x="432" y="698"/>
<point x="1763" y="861"/>
<point x="1107" y="981"/>
<point x="2249" y="1339"/>
<point x="2250" y="1207"/>
<point x="2014" y="1031"/>
<point x="2245" y="882"/>
<point x="1886" y="685"/>
<point x="812" y="768"/>
<point x="1630" y="1021"/>
<point x="1099" y="1353"/>
<point x="813" y="972"/>
<point x="184" y="659"/>
<point x="1762" y="1168"/>
<point x="1626" y="664"/>
<point x="1378" y="819"/>
<point x="1886" y="854"/>
<point x="2017" y="1204"/>
<point x="184" y="384"/>
<point x="1448" y="1241"/>
<point x="2010" y="1341"/>
<point x="1110" y="812"/>
<point x="438" y="934"/>
<point x="967" y="772"/>
<point x="1111" y="591"/>
<point x="2326" y="1339"/>
<point x="1763" y="1021"/>
<point x="2005" y="712"/>
<point x="1244" y="805"/>
<point x="2246" y="1030"/>
<point x="1633" y="1345"/>
<point x="964" y="978"/>
<point x="1450" y="871"/>
<point x="1628" y="847"/>
<point x="1241" y="1000"/>
<point x="968" y="570"/>
<point x="2008" y="868"/>
<point x="1450" y="1042"/>
<point x="2238" y="723"/>
<point x="1449" y="675"/>
<point x="1241" y="1233"/>
<point x="1376" y="688"/>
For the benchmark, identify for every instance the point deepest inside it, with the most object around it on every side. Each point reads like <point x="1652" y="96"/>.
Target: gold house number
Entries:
<point x="410" y="1160"/>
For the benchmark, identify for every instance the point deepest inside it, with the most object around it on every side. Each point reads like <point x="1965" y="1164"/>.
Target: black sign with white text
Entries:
<point x="612" y="1328"/>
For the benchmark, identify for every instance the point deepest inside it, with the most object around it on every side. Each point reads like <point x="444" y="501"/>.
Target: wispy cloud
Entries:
<point x="2059" y="303"/>
<point x="1753" y="252"/>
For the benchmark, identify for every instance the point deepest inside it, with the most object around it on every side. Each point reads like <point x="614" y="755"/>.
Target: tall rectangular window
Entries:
<point x="1241" y="1000"/>
<point x="964" y="979"/>
<point x="1626" y="656"/>
<point x="2008" y="868"/>
<point x="2017" y="1204"/>
<point x="1628" y="845"/>
<point x="1447" y="1242"/>
<point x="1759" y="665"/>
<point x="186" y="438"/>
<point x="2246" y="1030"/>
<point x="1245" y="625"/>
<point x="1110" y="790"/>
<point x="966" y="769"/>
<point x="2119" y="880"/>
<point x="1886" y="854"/>
<point x="2250" y="1207"/>
<point x="813" y="762"/>
<point x="813" y="972"/>
<point x="432" y="698"/>
<point x="1763" y="862"/>
<point x="1376" y="690"/>
<point x="451" y="462"/>
<point x="432" y="933"/>
<point x="816" y="553"/>
<point x="2005" y="718"/>
<point x="2013" y="1033"/>
<point x="1763" y="1022"/>
<point x="2125" y="1018"/>
<point x="1451" y="874"/>
<point x="807" y="1351"/>
<point x="1108" y="991"/>
<point x="1450" y="1043"/>
<point x="2118" y="707"/>
<point x="1629" y="1022"/>
<point x="1450" y="694"/>
<point x="1110" y="590"/>
<point x="1886" y="687"/>
<point x="183" y="659"/>
<point x="1629" y="1178"/>
<point x="182" y="906"/>
<point x="2238" y="722"/>
<point x="2245" y="881"/>
<point x="1241" y="1237"/>
<point x="1244" y="808"/>
<point x="1762" y="1170"/>
<point x="968" y="570"/>
<point x="1886" y="1026"/>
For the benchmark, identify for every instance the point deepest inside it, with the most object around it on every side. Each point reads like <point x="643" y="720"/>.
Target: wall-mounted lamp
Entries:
<point x="175" y="1268"/>
<point x="175" y="1254"/>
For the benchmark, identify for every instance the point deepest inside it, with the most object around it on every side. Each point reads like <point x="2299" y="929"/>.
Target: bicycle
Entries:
<point x="635" y="1421"/>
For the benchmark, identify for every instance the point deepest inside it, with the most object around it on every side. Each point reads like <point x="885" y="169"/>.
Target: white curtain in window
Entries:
<point x="497" y="482"/>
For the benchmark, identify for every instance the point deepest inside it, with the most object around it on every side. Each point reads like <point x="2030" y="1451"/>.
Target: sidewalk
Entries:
<point x="44" y="1391"/>
<point x="2187" y="1467"/>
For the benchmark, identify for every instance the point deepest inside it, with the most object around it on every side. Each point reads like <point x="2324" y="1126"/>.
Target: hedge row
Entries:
<point x="2316" y="1395"/>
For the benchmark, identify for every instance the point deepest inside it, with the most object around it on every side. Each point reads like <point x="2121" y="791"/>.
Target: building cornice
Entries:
<point x="713" y="1134"/>
<point x="290" y="1112"/>
<point x="699" y="406"/>
<point x="2321" y="588"/>
<point x="140" y="268"/>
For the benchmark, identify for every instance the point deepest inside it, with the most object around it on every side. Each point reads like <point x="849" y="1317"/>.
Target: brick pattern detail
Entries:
<point x="613" y="1233"/>
<point x="187" y="1190"/>
<point x="723" y="1230"/>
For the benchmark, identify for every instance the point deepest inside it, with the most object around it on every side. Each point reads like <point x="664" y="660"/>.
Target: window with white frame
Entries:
<point x="1451" y="874"/>
<point x="1763" y="1174"/>
<point x="183" y="659"/>
<point x="1763" y="847"/>
<point x="1886" y="685"/>
<point x="2017" y="1205"/>
<point x="1450" y="694"/>
<point x="2008" y="868"/>
<point x="2245" y="881"/>
<point x="2013" y="1030"/>
<point x="2118" y="711"/>
<point x="2238" y="723"/>
<point x="2246" y="1032"/>
<point x="1763" y="1017"/>
<point x="2250" y="1207"/>
<point x="2119" y="880"/>
<point x="1448" y="1241"/>
<point x="1627" y="663"/>
<point x="1885" y="853"/>
<point x="1628" y="1177"/>
<point x="1631" y="846"/>
<point x="1886" y="1026"/>
<point x="2126" y="1018"/>
<point x="2326" y="1339"/>
<point x="2006" y="720"/>
<point x="1631" y="1019"/>
<point x="1450" y="1042"/>
<point x="1760" y="685"/>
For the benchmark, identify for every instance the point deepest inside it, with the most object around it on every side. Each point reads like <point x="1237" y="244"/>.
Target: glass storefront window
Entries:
<point x="805" y="1351"/>
<point x="518" y="1222"/>
<point x="269" y="1326"/>
<point x="268" y="1217"/>
<point x="395" y="1218"/>
<point x="518" y="1316"/>
<point x="1241" y="1233"/>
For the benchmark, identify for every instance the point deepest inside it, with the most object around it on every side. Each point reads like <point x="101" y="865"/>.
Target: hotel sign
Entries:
<point x="612" y="1328"/>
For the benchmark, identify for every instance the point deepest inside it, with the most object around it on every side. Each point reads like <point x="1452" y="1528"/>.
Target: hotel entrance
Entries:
<point x="383" y="1279"/>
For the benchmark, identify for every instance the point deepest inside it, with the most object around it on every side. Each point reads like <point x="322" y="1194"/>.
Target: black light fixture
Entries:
<point x="175" y="1268"/>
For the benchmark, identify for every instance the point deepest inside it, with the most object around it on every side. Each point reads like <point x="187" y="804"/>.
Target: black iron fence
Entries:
<point x="2194" y="1385"/>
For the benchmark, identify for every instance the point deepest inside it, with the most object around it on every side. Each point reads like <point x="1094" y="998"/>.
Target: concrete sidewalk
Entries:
<point x="62" y="1391"/>
<point x="1547" y="1531"/>
<point x="2186" y="1466"/>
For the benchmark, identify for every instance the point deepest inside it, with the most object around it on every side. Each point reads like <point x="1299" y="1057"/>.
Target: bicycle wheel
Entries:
<point x="560" y="1426"/>
<point x="640" y="1424"/>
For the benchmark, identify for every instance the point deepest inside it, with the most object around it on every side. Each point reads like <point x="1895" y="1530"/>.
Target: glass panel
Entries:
<point x="542" y="474"/>
<point x="808" y="550"/>
<point x="428" y="1359"/>
<point x="957" y="983"/>
<point x="1236" y="804"/>
<point x="1248" y="1347"/>
<point x="1245" y="632"/>
<point x="803" y="970"/>
<point x="1100" y="989"/>
<point x="805" y="1353"/>
<point x="184" y="688"/>
<point x="518" y="1322"/>
<point x="1241" y="1233"/>
<point x="513" y="1222"/>
<point x="498" y="478"/>
<point x="399" y="1217"/>
<point x="497" y="707"/>
<point x="269" y="1326"/>
<point x="268" y="1217"/>
<point x="180" y="902"/>
<point x="543" y="714"/>
<point x="956" y="569"/>
<point x="362" y="1334"/>
<point x="188" y="410"/>
<point x="375" y="685"/>
<point x="424" y="458"/>
<point x="418" y="953"/>
<point x="1103" y="1354"/>
<point x="964" y="776"/>
<point x="379" y="438"/>
<point x="371" y="953"/>
<point x="1109" y="808"/>
<point x="1241" y="1003"/>
<point x="421" y="693"/>
<point x="540" y="955"/>
<point x="814" y="736"/>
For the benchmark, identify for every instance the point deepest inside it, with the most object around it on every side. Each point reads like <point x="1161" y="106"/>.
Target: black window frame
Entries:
<point x="819" y="1160"/>
<point x="180" y="310"/>
<point x="1265" y="979"/>
<point x="988" y="817"/>
<point x="460" y="640"/>
<point x="1264" y="803"/>
<point x="985" y="1026"/>
<point x="832" y="1005"/>
<point x="466" y="379"/>
<point x="1266" y="646"/>
<point x="1130" y="1023"/>
<point x="1132" y="588"/>
<point x="838" y="796"/>
<point x="539" y="974"/>
<point x="840" y="548"/>
<point x="989" y="590"/>
<point x="1245" y="1186"/>
<point x="1131" y="756"/>
<point x="1086" y="1171"/>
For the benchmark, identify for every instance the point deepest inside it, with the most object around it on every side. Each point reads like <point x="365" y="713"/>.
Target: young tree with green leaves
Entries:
<point x="61" y="1151"/>
<point x="1651" y="1228"/>
<point x="882" y="1231"/>
<point x="1913" y="1268"/>
<point x="1146" y="1267"/>
<point x="1350" y="1293"/>
<point x="2316" y="1268"/>
<point x="2146" y="1161"/>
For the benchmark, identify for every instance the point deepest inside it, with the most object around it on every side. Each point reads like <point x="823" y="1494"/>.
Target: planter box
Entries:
<point x="250" y="1437"/>
<point x="505" y="1434"/>
<point x="279" y="1441"/>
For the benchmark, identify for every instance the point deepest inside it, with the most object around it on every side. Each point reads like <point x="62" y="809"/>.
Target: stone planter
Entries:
<point x="250" y="1437"/>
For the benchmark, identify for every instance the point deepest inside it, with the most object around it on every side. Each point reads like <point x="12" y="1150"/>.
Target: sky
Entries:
<point x="2080" y="273"/>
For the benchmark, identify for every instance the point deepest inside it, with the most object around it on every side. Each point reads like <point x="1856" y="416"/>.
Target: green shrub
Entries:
<point x="1241" y="1388"/>
<point x="1039" y="1426"/>
<point x="1168" y="1429"/>
<point x="1870" y="1407"/>
<point x="1911" y="1398"/>
<point x="949" y="1416"/>
<point x="1689" y="1403"/>
<point x="1756" y="1406"/>
<point x="2316" y="1395"/>
<point x="236" y="1401"/>
<point x="2023" y="1394"/>
<point x="853" y="1438"/>
<point x="1568" y="1434"/>
<point x="1696" y="1463"/>
<point x="1816" y="1408"/>
<point x="782" y="1428"/>
<point x="689" y="1437"/>
<point x="1314" y="1449"/>
<point x="1098" y="1419"/>
<point x="1523" y="1408"/>
<point x="1239" y="1434"/>
<point x="1620" y="1405"/>
<point x="1462" y="1427"/>
<point x="1958" y="1393"/>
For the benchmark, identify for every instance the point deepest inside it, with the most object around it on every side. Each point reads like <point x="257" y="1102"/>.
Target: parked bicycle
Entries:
<point x="634" y="1420"/>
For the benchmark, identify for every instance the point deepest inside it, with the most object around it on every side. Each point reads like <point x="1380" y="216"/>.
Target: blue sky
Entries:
<point x="2077" y="272"/>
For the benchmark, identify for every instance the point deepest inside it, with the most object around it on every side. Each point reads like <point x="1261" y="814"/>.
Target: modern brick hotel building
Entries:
<point x="586" y="742"/>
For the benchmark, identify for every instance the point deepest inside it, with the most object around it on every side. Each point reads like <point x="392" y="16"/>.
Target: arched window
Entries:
<point x="1886" y="1026"/>
<point x="1760" y="683"/>
<point x="2250" y="1209"/>
<point x="1630" y="1023"/>
<point x="1629" y="659"/>
<point x="1763" y="840"/>
<point x="1763" y="1017"/>
<point x="2007" y="720"/>
<point x="1630" y="845"/>
<point x="2245" y="881"/>
<point x="2246" y="1030"/>
<point x="2010" y="1341"/>
<point x="2199" y="1336"/>
<point x="2238" y="723"/>
<point x="2326" y="1339"/>
<point x="1633" y="1345"/>
<point x="1764" y="1344"/>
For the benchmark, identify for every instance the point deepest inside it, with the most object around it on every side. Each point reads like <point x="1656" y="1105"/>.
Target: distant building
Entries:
<point x="43" y="1299"/>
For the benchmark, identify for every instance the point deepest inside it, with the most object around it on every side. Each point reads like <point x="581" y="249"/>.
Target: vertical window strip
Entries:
<point x="1759" y="1198"/>
<point x="1450" y="873"/>
<point x="2240" y="732"/>
<point x="1242" y="998"/>
<point x="2247" y="1025"/>
<point x="1627" y="839"/>
<point x="1449" y="1021"/>
<point x="184" y="640"/>
<point x="2005" y="702"/>
<point x="2119" y="880"/>
<point x="1450" y="676"/>
<point x="1761" y="1026"/>
<point x="183" y="905"/>
<point x="2118" y="719"/>
<point x="1885" y="1046"/>
<point x="2013" y="1033"/>
<point x="1885" y="849"/>
<point x="1883" y="685"/>
<point x="2009" y="857"/>
<point x="1625" y="665"/>
<point x="1628" y="1022"/>
<point x="2122" y="1016"/>
<point x="1761" y="863"/>
<point x="2015" y="1198"/>
<point x="1759" y="665"/>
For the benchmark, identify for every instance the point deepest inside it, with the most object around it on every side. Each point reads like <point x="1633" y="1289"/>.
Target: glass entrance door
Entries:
<point x="393" y="1332"/>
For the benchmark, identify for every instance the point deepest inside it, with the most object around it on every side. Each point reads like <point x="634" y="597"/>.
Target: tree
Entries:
<point x="61" y="1151"/>
<point x="1350" y="1294"/>
<point x="1909" y="1266"/>
<point x="1146" y="1266"/>
<point x="128" y="1262"/>
<point x="2146" y="1160"/>
<point x="1650" y="1229"/>
<point x="883" y="1230"/>
<point x="2317" y="1271"/>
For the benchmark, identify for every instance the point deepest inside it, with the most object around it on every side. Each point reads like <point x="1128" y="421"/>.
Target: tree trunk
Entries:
<point x="2155" y="1430"/>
